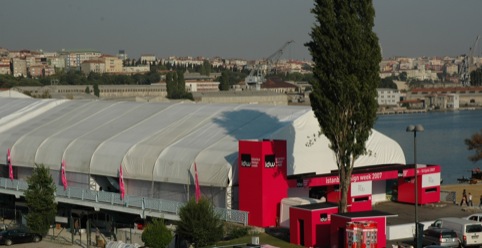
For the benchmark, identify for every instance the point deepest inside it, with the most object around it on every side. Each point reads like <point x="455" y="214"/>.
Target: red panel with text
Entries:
<point x="262" y="180"/>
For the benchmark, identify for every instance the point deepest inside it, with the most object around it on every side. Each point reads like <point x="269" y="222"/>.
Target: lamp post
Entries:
<point x="415" y="129"/>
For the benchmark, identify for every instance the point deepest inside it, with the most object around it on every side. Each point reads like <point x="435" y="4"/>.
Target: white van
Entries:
<point x="469" y="231"/>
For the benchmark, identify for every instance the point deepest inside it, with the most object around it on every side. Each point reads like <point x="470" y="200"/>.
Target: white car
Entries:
<point x="475" y="217"/>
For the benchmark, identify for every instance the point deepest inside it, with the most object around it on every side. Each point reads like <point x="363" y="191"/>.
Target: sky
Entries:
<point x="247" y="29"/>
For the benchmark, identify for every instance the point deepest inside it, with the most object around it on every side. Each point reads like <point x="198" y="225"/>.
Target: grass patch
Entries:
<point x="264" y="238"/>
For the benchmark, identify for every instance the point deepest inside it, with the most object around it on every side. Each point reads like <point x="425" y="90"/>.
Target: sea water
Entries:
<point x="442" y="141"/>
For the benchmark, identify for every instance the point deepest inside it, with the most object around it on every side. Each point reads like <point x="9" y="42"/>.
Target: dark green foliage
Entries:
<point x="87" y="90"/>
<point x="235" y="231"/>
<point x="199" y="224"/>
<point x="40" y="200"/>
<point x="176" y="86"/>
<point x="156" y="234"/>
<point x="346" y="57"/>
<point x="476" y="77"/>
<point x="387" y="83"/>
<point x="229" y="78"/>
<point x="205" y="68"/>
<point x="96" y="90"/>
<point x="475" y="143"/>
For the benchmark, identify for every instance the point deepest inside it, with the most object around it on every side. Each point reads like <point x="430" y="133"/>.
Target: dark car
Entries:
<point x="441" y="237"/>
<point x="16" y="236"/>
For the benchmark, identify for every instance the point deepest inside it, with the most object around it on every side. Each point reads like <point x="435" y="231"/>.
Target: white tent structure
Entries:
<point x="157" y="143"/>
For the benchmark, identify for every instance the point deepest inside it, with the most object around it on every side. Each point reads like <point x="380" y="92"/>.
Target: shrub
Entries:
<point x="199" y="224"/>
<point x="156" y="234"/>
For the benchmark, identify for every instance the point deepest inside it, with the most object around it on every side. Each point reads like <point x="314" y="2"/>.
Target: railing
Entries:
<point x="130" y="201"/>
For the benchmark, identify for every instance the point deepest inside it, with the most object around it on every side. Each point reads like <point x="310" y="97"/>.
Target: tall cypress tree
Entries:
<point x="169" y="85"/>
<point x="346" y="55"/>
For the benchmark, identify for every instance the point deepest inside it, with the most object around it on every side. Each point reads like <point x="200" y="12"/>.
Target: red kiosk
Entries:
<point x="428" y="182"/>
<point x="262" y="180"/>
<point x="310" y="224"/>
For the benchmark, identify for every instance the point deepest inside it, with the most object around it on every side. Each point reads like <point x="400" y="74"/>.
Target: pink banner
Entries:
<point x="64" y="177"/>
<point x="10" y="168"/>
<point x="196" y="181"/>
<point x="121" y="182"/>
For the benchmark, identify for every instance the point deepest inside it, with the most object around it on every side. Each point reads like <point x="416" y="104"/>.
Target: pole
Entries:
<point x="416" y="186"/>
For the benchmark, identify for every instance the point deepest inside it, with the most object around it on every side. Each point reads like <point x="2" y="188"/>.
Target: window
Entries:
<point x="474" y="228"/>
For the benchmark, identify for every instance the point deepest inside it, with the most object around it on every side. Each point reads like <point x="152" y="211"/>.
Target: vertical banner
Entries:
<point x="64" y="177"/>
<point x="121" y="182"/>
<point x="196" y="181"/>
<point x="9" y="163"/>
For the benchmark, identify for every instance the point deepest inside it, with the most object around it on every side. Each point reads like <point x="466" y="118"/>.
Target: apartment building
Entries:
<point x="388" y="97"/>
<point x="112" y="64"/>
<point x="74" y="59"/>
<point x="4" y="66"/>
<point x="19" y="67"/>
<point x="148" y="59"/>
<point x="40" y="70"/>
<point x="97" y="66"/>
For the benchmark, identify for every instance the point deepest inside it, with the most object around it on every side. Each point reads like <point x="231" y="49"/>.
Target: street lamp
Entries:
<point x="415" y="129"/>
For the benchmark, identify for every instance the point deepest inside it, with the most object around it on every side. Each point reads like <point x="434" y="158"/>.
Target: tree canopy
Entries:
<point x="156" y="234"/>
<point x="40" y="198"/>
<point x="346" y="57"/>
<point x="475" y="144"/>
<point x="199" y="224"/>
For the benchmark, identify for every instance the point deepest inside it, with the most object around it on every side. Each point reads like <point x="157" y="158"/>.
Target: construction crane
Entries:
<point x="257" y="75"/>
<point x="468" y="64"/>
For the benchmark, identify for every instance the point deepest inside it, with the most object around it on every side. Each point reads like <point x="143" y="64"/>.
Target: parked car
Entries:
<point x="16" y="236"/>
<point x="474" y="217"/>
<point x="440" y="237"/>
<point x="468" y="231"/>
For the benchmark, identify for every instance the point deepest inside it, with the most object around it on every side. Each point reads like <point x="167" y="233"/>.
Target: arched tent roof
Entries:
<point x="161" y="141"/>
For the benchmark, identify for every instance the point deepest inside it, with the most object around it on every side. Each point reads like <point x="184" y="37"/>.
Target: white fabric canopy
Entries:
<point x="161" y="141"/>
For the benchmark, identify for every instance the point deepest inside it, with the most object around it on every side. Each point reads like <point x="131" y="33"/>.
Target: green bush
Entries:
<point x="40" y="198"/>
<point x="234" y="232"/>
<point x="156" y="234"/>
<point x="199" y="224"/>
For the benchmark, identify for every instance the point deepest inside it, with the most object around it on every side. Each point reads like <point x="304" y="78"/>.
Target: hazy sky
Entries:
<point x="231" y="29"/>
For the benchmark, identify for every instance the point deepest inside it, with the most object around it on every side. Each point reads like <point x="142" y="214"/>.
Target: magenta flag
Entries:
<point x="196" y="181"/>
<point x="10" y="168"/>
<point x="64" y="178"/>
<point x="121" y="182"/>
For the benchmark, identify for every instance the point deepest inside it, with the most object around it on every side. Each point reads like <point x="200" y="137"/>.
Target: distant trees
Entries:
<point x="476" y="77"/>
<point x="475" y="143"/>
<point x="176" y="86"/>
<point x="40" y="198"/>
<point x="387" y="83"/>
<point x="96" y="90"/>
<point x="229" y="78"/>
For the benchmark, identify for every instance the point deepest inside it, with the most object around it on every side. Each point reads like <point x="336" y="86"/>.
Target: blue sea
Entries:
<point x="442" y="141"/>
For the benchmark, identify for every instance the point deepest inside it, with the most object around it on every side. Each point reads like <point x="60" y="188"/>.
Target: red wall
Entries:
<point x="338" y="221"/>
<point x="317" y="231"/>
<point x="406" y="191"/>
<point x="262" y="180"/>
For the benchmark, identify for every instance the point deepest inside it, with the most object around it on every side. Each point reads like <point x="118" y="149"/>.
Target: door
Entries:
<point x="301" y="226"/>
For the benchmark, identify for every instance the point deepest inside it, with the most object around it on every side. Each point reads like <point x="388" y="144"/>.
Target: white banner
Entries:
<point x="430" y="180"/>
<point x="361" y="188"/>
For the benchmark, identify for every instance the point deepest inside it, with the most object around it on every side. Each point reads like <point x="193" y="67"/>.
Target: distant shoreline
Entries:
<point x="412" y="111"/>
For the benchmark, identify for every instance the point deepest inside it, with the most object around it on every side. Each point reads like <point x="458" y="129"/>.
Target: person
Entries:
<point x="464" y="198"/>
<point x="470" y="203"/>
<point x="76" y="226"/>
<point x="480" y="201"/>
